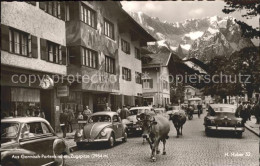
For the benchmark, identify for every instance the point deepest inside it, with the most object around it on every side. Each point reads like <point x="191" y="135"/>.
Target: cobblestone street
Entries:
<point x="193" y="148"/>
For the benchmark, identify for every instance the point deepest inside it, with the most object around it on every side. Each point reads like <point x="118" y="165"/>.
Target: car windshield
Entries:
<point x="144" y="111"/>
<point x="223" y="114"/>
<point x="99" y="118"/>
<point x="134" y="112"/>
<point x="9" y="131"/>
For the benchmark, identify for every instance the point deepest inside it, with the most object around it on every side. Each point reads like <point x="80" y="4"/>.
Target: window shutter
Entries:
<point x="44" y="53"/>
<point x="34" y="46"/>
<point x="151" y="83"/>
<point x="64" y="55"/>
<point x="62" y="11"/>
<point x="74" y="55"/>
<point x="42" y="5"/>
<point x="4" y="37"/>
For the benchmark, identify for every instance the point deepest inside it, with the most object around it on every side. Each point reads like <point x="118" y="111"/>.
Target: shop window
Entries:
<point x="137" y="54"/>
<point x="89" y="58"/>
<point x="110" y="65"/>
<point x="125" y="46"/>
<point x="126" y="74"/>
<point x="108" y="29"/>
<point x="138" y="79"/>
<point x="88" y="15"/>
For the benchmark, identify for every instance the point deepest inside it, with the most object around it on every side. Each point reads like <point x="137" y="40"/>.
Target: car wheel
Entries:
<point x="125" y="137"/>
<point x="207" y="132"/>
<point x="80" y="145"/>
<point x="239" y="134"/>
<point x="61" y="161"/>
<point x="111" y="141"/>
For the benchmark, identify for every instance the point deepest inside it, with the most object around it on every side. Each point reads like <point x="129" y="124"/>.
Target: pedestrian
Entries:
<point x="71" y="117"/>
<point x="63" y="122"/>
<point x="86" y="113"/>
<point x="199" y="107"/>
<point x="80" y="117"/>
<point x="118" y="110"/>
<point x="238" y="110"/>
<point x="257" y="111"/>
<point x="107" y="108"/>
<point x="124" y="113"/>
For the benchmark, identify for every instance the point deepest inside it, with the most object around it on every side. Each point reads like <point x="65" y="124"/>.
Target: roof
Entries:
<point x="140" y="108"/>
<point x="110" y="113"/>
<point x="24" y="120"/>
<point x="158" y="59"/>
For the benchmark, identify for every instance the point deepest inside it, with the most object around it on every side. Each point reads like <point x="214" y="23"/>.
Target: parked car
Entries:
<point x="31" y="137"/>
<point x="161" y="111"/>
<point x="133" y="127"/>
<point x="102" y="127"/>
<point x="221" y="117"/>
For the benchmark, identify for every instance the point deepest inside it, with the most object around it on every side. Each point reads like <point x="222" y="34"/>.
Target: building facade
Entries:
<point x="156" y="83"/>
<point x="32" y="46"/>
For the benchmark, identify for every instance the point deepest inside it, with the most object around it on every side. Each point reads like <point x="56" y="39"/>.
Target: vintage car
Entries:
<point x="221" y="117"/>
<point x="28" y="141"/>
<point x="194" y="102"/>
<point x="133" y="127"/>
<point x="161" y="111"/>
<point x="101" y="127"/>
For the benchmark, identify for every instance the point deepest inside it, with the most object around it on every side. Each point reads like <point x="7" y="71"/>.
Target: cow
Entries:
<point x="178" y="119"/>
<point x="155" y="129"/>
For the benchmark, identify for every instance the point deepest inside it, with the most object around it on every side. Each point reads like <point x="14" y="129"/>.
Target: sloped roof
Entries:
<point x="157" y="59"/>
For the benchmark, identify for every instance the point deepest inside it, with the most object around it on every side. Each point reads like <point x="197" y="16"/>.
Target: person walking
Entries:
<point x="107" y="108"/>
<point x="118" y="110"/>
<point x="86" y="113"/>
<point x="199" y="107"/>
<point x="80" y="117"/>
<point x="71" y="117"/>
<point x="63" y="123"/>
<point x="124" y="113"/>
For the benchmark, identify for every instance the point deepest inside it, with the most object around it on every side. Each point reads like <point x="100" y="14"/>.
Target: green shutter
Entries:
<point x="34" y="46"/>
<point x="4" y="37"/>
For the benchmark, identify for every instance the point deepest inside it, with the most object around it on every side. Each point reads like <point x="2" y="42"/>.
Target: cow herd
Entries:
<point x="156" y="129"/>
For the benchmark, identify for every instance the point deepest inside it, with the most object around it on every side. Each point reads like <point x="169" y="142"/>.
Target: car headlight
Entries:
<point x="80" y="133"/>
<point x="103" y="133"/>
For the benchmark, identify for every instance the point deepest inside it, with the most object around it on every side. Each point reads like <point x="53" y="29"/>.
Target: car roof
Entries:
<point x="105" y="113"/>
<point x="159" y="108"/>
<point x="222" y="105"/>
<point x="24" y="120"/>
<point x="147" y="107"/>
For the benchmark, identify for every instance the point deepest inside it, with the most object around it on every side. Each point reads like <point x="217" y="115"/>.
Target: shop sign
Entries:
<point x="62" y="91"/>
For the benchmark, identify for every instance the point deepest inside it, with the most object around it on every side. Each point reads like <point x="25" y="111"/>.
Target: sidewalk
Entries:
<point x="252" y="126"/>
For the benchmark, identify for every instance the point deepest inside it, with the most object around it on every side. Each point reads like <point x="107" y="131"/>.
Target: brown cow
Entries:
<point x="155" y="129"/>
<point x="178" y="119"/>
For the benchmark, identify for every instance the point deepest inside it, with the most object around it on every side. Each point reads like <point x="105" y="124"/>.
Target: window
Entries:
<point x="147" y="83"/>
<point x="45" y="128"/>
<point x="88" y="16"/>
<point x="53" y="8"/>
<point x="53" y="52"/>
<point x="137" y="54"/>
<point x="126" y="74"/>
<point x="165" y="85"/>
<point x="18" y="42"/>
<point x="108" y="29"/>
<point x="125" y="46"/>
<point x="110" y="65"/>
<point x="138" y="77"/>
<point x="89" y="58"/>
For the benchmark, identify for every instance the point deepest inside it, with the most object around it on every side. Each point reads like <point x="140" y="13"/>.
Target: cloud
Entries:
<point x="198" y="11"/>
<point x="141" y="6"/>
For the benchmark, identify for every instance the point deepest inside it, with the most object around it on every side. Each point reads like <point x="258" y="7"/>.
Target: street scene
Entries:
<point x="130" y="83"/>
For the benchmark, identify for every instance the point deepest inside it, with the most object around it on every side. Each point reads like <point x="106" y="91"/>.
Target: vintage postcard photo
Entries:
<point x="130" y="83"/>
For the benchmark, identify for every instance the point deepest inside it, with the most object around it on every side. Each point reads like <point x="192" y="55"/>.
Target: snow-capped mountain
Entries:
<point x="200" y="38"/>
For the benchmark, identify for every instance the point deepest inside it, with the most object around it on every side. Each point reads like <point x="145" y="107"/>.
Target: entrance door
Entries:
<point x="45" y="96"/>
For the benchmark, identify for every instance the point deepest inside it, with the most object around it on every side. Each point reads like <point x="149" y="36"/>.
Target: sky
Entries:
<point x="178" y="11"/>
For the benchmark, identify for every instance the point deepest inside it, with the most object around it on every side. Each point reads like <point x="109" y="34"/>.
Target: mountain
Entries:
<point x="195" y="38"/>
